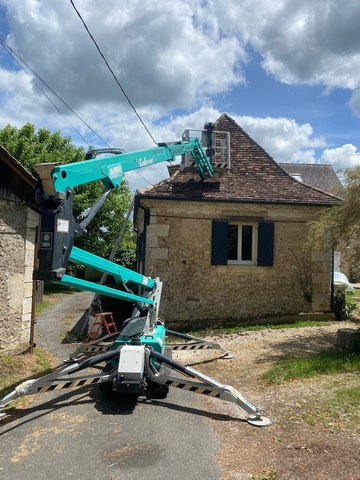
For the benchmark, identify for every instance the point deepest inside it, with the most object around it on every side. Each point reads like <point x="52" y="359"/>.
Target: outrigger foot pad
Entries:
<point x="258" y="420"/>
<point x="227" y="356"/>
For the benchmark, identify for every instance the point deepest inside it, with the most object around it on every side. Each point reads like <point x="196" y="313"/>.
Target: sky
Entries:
<point x="287" y="72"/>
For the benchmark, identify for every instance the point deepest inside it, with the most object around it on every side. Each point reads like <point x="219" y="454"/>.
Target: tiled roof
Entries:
<point x="253" y="177"/>
<point x="16" y="166"/>
<point x="15" y="181"/>
<point x="316" y="175"/>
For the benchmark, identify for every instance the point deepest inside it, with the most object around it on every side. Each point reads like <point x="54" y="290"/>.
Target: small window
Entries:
<point x="241" y="244"/>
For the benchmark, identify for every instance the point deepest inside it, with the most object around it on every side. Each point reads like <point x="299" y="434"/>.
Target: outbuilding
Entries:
<point x="18" y="225"/>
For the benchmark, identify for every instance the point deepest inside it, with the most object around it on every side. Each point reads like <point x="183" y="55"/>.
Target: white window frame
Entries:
<point x="254" y="244"/>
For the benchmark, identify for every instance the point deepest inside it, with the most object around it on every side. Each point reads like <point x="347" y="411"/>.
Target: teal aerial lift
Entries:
<point x="136" y="361"/>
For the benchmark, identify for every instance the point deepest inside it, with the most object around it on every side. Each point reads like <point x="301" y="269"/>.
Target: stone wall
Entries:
<point x="178" y="250"/>
<point x="17" y="240"/>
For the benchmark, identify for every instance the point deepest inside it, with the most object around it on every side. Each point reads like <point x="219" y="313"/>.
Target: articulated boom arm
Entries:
<point x="110" y="170"/>
<point x="59" y="228"/>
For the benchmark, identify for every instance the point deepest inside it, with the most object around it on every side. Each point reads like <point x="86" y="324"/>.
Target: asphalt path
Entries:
<point x="83" y="434"/>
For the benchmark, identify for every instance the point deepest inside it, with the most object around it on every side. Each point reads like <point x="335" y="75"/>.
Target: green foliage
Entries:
<point x="324" y="363"/>
<point x="344" y="308"/>
<point x="30" y="148"/>
<point x="268" y="474"/>
<point x="126" y="255"/>
<point x="354" y="272"/>
<point x="41" y="307"/>
<point x="57" y="289"/>
<point x="16" y="368"/>
<point x="338" y="227"/>
<point x="106" y="225"/>
<point x="338" y="408"/>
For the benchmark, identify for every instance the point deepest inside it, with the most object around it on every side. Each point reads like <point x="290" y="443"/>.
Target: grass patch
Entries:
<point x="338" y="404"/>
<point x="72" y="337"/>
<point x="51" y="288"/>
<point x="324" y="363"/>
<point x="268" y="474"/>
<point x="15" y="369"/>
<point x="52" y="291"/>
<point x="205" y="332"/>
<point x="41" y="307"/>
<point x="340" y="410"/>
<point x="349" y="397"/>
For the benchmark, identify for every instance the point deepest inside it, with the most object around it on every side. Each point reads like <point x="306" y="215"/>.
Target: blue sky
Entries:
<point x="288" y="72"/>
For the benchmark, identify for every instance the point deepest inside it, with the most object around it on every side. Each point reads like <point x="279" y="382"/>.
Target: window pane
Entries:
<point x="233" y="242"/>
<point x="246" y="242"/>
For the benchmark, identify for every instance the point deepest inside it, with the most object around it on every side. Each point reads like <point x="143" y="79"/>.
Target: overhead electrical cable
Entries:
<point x="21" y="61"/>
<point x="111" y="71"/>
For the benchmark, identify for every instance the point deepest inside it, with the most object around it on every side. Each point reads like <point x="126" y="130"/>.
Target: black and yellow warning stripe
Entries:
<point x="192" y="388"/>
<point x="220" y="165"/>
<point x="201" y="346"/>
<point x="214" y="165"/>
<point x="96" y="349"/>
<point x="75" y="383"/>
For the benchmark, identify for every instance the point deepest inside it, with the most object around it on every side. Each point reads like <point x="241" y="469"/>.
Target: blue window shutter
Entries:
<point x="219" y="242"/>
<point x="265" y="244"/>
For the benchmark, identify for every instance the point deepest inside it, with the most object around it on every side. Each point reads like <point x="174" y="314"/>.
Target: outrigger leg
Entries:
<point x="57" y="380"/>
<point x="105" y="343"/>
<point x="196" y="344"/>
<point x="134" y="369"/>
<point x="206" y="386"/>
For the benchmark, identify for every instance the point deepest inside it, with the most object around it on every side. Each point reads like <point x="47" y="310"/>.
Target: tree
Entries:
<point x="106" y="225"/>
<point x="338" y="227"/>
<point x="30" y="148"/>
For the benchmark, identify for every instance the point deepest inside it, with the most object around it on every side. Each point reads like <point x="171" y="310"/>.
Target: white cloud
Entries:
<point x="342" y="157"/>
<point x="163" y="53"/>
<point x="169" y="131"/>
<point x="175" y="54"/>
<point x="282" y="138"/>
<point x="173" y="57"/>
<point x="303" y="42"/>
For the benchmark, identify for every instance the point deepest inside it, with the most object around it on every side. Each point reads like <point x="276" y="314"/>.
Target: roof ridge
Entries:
<point x="225" y="115"/>
<point x="253" y="176"/>
<point x="306" y="164"/>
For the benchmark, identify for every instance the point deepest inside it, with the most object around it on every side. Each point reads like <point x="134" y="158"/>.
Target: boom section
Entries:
<point x="110" y="170"/>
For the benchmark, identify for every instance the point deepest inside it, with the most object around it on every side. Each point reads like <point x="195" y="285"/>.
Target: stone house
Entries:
<point x="233" y="247"/>
<point x="17" y="244"/>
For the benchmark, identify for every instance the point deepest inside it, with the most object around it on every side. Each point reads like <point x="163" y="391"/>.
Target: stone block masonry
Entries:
<point x="17" y="242"/>
<point x="179" y="252"/>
